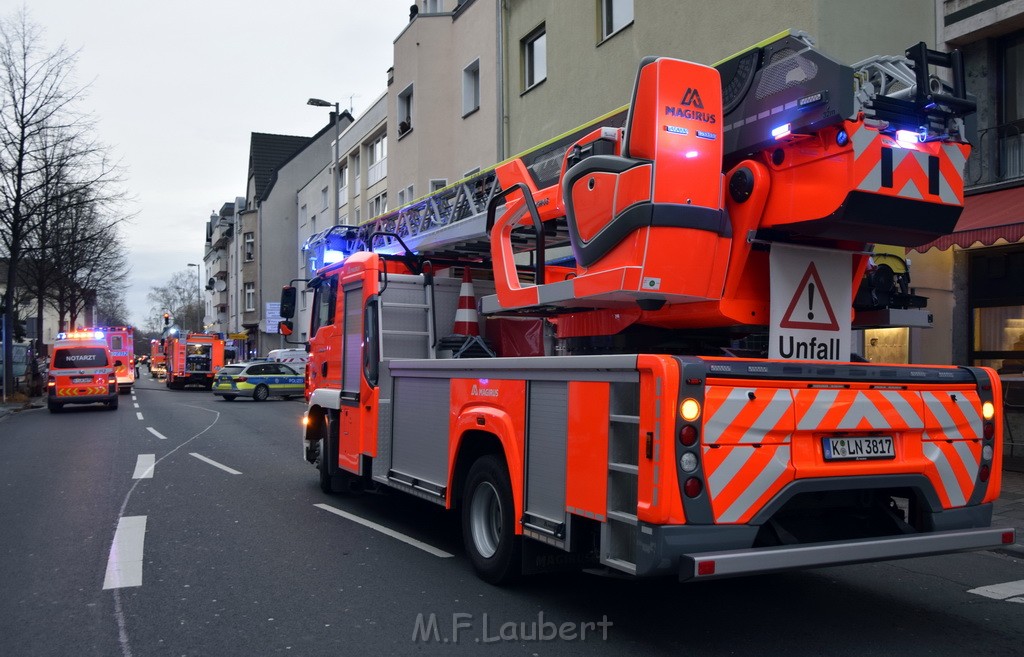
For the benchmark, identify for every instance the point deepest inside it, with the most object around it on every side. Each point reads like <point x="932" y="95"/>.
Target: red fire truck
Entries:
<point x="693" y="408"/>
<point x="193" y="358"/>
<point x="121" y="341"/>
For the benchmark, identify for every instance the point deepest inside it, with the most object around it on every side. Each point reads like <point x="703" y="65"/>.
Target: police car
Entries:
<point x="258" y="380"/>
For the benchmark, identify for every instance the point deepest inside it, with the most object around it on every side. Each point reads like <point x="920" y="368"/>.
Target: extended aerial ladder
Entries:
<point x="814" y="152"/>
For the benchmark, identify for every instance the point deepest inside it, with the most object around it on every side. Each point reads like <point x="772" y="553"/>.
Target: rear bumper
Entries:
<point x="84" y="398"/>
<point x="729" y="563"/>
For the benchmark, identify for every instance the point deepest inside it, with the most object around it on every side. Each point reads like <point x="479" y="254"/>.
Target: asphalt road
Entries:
<point x="215" y="561"/>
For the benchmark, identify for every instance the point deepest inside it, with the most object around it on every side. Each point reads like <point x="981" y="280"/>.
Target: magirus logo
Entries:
<point x="483" y="392"/>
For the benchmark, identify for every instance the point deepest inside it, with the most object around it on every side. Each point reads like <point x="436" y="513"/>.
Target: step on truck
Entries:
<point x="678" y="395"/>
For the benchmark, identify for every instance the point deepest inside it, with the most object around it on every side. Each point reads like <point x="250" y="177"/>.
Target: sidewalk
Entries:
<point x="13" y="407"/>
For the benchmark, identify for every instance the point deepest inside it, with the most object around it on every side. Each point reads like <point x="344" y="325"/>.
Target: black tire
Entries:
<point x="112" y="405"/>
<point x="229" y="397"/>
<point x="488" y="522"/>
<point x="330" y="483"/>
<point x="54" y="407"/>
<point x="261" y="393"/>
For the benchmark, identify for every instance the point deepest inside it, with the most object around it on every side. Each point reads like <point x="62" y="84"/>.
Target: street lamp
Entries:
<point x="317" y="102"/>
<point x="199" y="299"/>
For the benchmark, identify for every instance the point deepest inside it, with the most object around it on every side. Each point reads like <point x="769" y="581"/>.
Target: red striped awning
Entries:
<point x="985" y="219"/>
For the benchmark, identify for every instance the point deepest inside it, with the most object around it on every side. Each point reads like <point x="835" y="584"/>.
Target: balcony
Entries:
<point x="376" y="172"/>
<point x="997" y="158"/>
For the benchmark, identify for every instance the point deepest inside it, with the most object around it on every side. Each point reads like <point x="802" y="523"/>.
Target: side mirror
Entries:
<point x="285" y="327"/>
<point x="287" y="302"/>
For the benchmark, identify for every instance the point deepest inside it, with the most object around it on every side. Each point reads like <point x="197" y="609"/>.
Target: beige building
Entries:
<point x="443" y="97"/>
<point x="570" y="61"/>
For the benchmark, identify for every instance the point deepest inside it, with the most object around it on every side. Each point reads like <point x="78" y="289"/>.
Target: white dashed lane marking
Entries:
<point x="144" y="466"/>
<point x="124" y="565"/>
<point x="430" y="549"/>
<point x="214" y="463"/>
<point x="1007" y="591"/>
<point x="156" y="433"/>
<point x="138" y="415"/>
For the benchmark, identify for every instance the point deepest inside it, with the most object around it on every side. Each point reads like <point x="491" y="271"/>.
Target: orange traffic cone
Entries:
<point x="466" y="322"/>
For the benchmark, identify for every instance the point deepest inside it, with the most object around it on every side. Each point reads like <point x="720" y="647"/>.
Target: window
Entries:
<point x="355" y="169"/>
<point x="535" y="58"/>
<point x="312" y="225"/>
<point x="1011" y="142"/>
<point x="615" y="15"/>
<point x="405" y="111"/>
<point x="432" y="6"/>
<point x="250" y="247"/>
<point x="438" y="183"/>
<point x="324" y="196"/>
<point x="250" y="297"/>
<point x="377" y="160"/>
<point x="303" y="214"/>
<point x="471" y="172"/>
<point x="343" y="219"/>
<point x="997" y="308"/>
<point x="378" y="204"/>
<point x="343" y="186"/>
<point x="471" y="88"/>
<point x="405" y="196"/>
<point x="324" y="298"/>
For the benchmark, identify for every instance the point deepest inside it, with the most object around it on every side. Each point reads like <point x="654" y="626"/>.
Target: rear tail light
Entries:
<point x="242" y="379"/>
<point x="693" y="487"/>
<point x="983" y="472"/>
<point x="688" y="435"/>
<point x="988" y="430"/>
<point x="51" y="382"/>
<point x="1008" y="537"/>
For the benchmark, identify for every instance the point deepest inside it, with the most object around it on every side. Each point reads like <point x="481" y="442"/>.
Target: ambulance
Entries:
<point x="82" y="371"/>
<point x="121" y="341"/>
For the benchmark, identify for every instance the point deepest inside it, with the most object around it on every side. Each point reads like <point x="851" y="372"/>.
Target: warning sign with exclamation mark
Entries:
<point x="811" y="297"/>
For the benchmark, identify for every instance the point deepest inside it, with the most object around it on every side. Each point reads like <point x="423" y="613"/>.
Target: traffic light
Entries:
<point x="167" y="319"/>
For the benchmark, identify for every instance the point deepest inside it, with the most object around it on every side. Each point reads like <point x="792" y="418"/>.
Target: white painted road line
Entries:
<point x="135" y="405"/>
<point x="214" y="463"/>
<point x="138" y="415"/>
<point x="144" y="466"/>
<point x="156" y="433"/>
<point x="124" y="565"/>
<point x="1005" y="591"/>
<point x="384" y="530"/>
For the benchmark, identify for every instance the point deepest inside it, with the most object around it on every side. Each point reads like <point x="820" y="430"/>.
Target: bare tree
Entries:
<point x="37" y="119"/>
<point x="179" y="297"/>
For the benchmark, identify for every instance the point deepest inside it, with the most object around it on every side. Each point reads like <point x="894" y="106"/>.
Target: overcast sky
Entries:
<point x="177" y="88"/>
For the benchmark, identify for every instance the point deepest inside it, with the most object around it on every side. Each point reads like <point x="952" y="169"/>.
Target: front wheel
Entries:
<point x="261" y="393"/>
<point x="488" y="521"/>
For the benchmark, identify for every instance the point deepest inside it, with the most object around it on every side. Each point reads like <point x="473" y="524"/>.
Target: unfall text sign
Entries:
<point x="811" y="298"/>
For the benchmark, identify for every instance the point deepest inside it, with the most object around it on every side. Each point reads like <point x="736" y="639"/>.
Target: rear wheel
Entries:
<point x="112" y="404"/>
<point x="488" y="522"/>
<point x="54" y="407"/>
<point x="228" y="397"/>
<point x="261" y="393"/>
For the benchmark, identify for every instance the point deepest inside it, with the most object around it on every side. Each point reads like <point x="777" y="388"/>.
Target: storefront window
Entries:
<point x="999" y="338"/>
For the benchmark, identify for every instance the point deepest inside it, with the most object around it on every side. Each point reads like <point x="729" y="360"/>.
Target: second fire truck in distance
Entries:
<point x="696" y="411"/>
<point x="193" y="359"/>
<point x="121" y="341"/>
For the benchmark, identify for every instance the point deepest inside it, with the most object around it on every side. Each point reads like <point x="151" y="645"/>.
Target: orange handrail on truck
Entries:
<point x="692" y="407"/>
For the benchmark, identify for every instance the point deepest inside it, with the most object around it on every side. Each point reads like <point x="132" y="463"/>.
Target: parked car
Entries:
<point x="259" y="380"/>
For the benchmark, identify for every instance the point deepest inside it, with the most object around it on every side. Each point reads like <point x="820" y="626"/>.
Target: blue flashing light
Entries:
<point x="98" y="335"/>
<point x="333" y="255"/>
<point x="781" y="131"/>
<point x="908" y="137"/>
